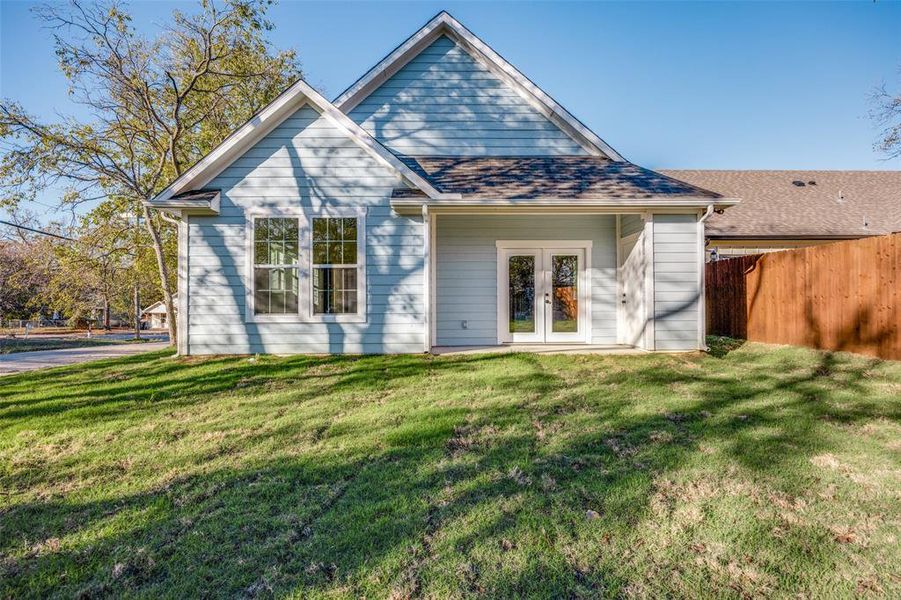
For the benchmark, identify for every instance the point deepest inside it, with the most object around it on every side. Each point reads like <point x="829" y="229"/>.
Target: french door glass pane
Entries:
<point x="522" y="294"/>
<point x="564" y="281"/>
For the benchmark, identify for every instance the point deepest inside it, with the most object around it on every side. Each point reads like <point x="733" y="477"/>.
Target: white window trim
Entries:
<point x="305" y="265"/>
<point x="360" y="315"/>
<point x="585" y="294"/>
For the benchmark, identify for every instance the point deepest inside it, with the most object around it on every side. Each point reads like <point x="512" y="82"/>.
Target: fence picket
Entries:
<point x="841" y="296"/>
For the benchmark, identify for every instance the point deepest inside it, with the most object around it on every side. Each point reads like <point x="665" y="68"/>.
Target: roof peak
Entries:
<point x="283" y="106"/>
<point x="445" y="24"/>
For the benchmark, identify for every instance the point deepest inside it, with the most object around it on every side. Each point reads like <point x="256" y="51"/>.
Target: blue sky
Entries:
<point x="669" y="85"/>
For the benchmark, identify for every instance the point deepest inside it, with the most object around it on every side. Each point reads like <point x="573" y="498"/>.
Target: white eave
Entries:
<point x="445" y="24"/>
<point x="261" y="124"/>
<point x="560" y="205"/>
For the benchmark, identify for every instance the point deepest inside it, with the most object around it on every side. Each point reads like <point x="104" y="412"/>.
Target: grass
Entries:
<point x="522" y="325"/>
<point x="754" y="471"/>
<point x="32" y="344"/>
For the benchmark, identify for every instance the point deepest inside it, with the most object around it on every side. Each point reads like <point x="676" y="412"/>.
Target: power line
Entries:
<point x="62" y="237"/>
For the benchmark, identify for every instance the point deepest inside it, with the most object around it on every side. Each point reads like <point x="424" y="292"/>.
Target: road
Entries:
<point x="30" y="361"/>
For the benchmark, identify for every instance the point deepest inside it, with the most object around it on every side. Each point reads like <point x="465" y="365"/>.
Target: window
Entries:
<point x="336" y="267"/>
<point x="275" y="266"/>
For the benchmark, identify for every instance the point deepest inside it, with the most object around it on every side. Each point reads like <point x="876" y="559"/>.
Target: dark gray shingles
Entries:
<point x="564" y="177"/>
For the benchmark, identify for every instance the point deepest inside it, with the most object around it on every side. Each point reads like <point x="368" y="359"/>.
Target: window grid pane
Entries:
<point x="276" y="241"/>
<point x="335" y="241"/>
<point x="334" y="290"/>
<point x="275" y="275"/>
<point x="334" y="286"/>
<point x="275" y="290"/>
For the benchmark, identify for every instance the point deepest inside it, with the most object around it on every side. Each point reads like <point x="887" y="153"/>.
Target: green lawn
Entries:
<point x="755" y="471"/>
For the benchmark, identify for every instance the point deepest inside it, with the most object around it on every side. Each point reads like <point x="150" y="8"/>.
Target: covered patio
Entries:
<point x="563" y="253"/>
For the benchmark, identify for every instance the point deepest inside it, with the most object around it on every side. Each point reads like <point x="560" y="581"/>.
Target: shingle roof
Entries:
<point x="802" y="203"/>
<point x="564" y="177"/>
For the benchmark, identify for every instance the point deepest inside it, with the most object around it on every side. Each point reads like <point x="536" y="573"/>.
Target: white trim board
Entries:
<point x="660" y="205"/>
<point x="444" y="24"/>
<point x="542" y="244"/>
<point x="540" y="249"/>
<point x="275" y="113"/>
<point x="304" y="312"/>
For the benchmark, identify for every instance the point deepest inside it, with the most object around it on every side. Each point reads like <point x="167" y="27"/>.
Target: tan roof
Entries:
<point x="565" y="177"/>
<point x="802" y="203"/>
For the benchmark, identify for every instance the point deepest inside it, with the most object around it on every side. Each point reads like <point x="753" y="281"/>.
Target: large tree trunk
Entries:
<point x="164" y="273"/>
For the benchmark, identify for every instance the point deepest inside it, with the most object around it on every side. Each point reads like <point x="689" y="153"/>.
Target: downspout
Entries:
<point x="702" y="292"/>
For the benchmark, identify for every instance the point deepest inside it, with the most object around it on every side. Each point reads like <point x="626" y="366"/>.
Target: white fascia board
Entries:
<point x="443" y="23"/>
<point x="268" y="119"/>
<point x="551" y="205"/>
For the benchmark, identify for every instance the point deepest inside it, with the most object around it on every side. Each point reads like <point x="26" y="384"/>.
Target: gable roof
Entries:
<point x="181" y="194"/>
<point x="444" y="24"/>
<point x="802" y="204"/>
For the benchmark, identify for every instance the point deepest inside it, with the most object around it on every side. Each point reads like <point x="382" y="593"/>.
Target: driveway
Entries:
<point x="29" y="361"/>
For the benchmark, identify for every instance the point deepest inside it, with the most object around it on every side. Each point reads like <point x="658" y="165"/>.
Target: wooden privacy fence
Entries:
<point x="841" y="296"/>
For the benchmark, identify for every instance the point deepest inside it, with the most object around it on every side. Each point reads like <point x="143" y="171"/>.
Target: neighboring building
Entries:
<point x="442" y="200"/>
<point x="155" y="316"/>
<point x="790" y="209"/>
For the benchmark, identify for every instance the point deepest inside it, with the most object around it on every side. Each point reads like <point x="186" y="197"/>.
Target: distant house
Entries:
<point x="155" y="316"/>
<point x="443" y="199"/>
<point x="790" y="209"/>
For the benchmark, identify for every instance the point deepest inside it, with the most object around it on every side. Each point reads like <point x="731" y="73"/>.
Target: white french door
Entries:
<point x="543" y="293"/>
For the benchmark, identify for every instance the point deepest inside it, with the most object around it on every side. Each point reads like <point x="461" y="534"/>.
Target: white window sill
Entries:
<point x="348" y="318"/>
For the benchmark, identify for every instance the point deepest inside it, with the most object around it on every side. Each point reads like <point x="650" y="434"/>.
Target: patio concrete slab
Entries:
<point x="539" y="349"/>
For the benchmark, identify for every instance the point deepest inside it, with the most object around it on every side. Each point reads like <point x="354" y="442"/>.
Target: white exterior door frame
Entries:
<point x="543" y="251"/>
<point x="631" y="313"/>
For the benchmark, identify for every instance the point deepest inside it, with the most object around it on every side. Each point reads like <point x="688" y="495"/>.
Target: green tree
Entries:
<point x="157" y="105"/>
<point x="108" y="257"/>
<point x="886" y="114"/>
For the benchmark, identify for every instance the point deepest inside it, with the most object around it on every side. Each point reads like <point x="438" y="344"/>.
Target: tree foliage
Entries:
<point x="886" y="113"/>
<point x="157" y="105"/>
<point x="24" y="272"/>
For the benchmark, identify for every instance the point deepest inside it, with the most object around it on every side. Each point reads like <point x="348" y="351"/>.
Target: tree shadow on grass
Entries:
<point x="484" y="491"/>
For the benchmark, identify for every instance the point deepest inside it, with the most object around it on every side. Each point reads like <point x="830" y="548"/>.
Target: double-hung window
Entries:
<point x="336" y="266"/>
<point x="307" y="268"/>
<point x="276" y="265"/>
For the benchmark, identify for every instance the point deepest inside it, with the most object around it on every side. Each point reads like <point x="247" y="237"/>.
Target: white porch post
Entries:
<point x="702" y="279"/>
<point x="427" y="278"/>
<point x="650" y="340"/>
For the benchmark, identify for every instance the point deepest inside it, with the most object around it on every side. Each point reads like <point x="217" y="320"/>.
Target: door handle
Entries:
<point x="547" y="298"/>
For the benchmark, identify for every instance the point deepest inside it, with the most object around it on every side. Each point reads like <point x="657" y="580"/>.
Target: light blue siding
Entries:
<point x="305" y="163"/>
<point x="676" y="289"/>
<point x="630" y="224"/>
<point x="467" y="271"/>
<point x="443" y="102"/>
